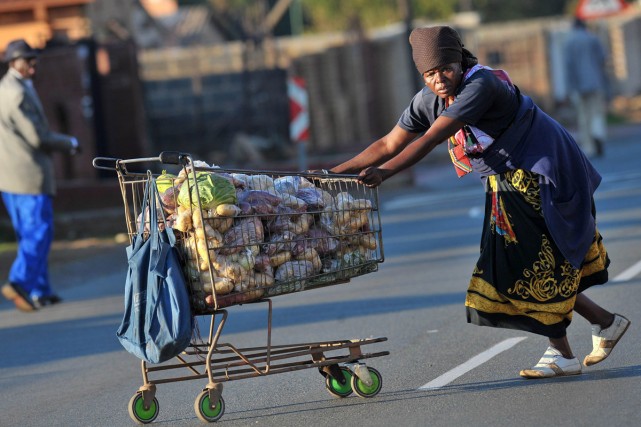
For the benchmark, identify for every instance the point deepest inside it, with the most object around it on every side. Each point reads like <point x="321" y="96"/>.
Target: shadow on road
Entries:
<point x="403" y="395"/>
<point x="97" y="334"/>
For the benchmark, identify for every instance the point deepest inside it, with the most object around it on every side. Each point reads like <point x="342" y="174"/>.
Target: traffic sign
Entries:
<point x="592" y="9"/>
<point x="298" y="110"/>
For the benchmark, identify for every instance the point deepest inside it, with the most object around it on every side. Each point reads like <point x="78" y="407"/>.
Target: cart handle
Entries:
<point x="172" y="157"/>
<point x="165" y="157"/>
<point x="179" y="158"/>
<point x="105" y="163"/>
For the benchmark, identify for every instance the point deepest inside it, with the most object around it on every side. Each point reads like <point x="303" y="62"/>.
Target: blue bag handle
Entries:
<point x="145" y="198"/>
<point x="162" y="241"/>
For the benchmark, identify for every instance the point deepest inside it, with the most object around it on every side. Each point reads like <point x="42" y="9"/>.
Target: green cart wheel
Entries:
<point x="363" y="390"/>
<point x="335" y="387"/>
<point x="139" y="413"/>
<point x="205" y="411"/>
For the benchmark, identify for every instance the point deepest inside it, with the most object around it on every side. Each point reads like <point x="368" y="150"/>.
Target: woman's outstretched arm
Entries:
<point x="378" y="152"/>
<point x="442" y="128"/>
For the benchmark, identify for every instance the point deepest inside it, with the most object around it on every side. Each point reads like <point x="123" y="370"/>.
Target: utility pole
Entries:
<point x="296" y="18"/>
<point x="406" y="10"/>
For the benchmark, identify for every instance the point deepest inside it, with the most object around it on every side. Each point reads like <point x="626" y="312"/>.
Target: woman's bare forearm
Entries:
<point x="440" y="131"/>
<point x="373" y="155"/>
<point x="378" y="152"/>
<point x="407" y="158"/>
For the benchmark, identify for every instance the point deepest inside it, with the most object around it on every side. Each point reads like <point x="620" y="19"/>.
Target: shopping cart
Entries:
<point x="276" y="233"/>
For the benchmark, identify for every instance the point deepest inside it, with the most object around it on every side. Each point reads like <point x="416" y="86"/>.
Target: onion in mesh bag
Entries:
<point x="294" y="270"/>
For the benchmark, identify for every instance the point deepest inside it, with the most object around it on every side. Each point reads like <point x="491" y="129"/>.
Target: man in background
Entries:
<point x="585" y="61"/>
<point x="27" y="178"/>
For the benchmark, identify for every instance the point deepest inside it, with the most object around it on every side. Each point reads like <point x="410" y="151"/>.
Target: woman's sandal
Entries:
<point x="604" y="340"/>
<point x="553" y="364"/>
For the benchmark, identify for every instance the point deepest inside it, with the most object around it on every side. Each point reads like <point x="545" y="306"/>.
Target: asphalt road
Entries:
<point x="63" y="366"/>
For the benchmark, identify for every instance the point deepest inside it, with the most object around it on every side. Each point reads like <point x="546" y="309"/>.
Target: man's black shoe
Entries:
<point x="54" y="299"/>
<point x="47" y="300"/>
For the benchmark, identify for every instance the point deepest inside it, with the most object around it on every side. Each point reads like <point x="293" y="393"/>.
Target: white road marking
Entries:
<point x="477" y="360"/>
<point x="629" y="273"/>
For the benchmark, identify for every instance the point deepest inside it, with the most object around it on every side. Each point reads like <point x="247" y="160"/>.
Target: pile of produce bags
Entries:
<point x="245" y="236"/>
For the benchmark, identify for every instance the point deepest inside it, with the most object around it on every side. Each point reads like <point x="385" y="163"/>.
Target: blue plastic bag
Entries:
<point x="157" y="323"/>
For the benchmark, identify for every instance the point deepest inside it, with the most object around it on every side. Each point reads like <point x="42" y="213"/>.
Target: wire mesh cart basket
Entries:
<point x="245" y="237"/>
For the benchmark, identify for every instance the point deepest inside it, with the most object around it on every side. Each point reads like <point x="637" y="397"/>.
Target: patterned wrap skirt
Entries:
<point x="521" y="280"/>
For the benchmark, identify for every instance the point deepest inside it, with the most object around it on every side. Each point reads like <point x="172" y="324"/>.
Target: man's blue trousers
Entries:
<point x="32" y="218"/>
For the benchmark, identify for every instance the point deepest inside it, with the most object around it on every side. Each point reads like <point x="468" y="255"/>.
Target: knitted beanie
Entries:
<point x="435" y="46"/>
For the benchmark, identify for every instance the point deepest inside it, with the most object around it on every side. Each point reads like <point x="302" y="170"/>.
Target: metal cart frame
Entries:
<point x="340" y="362"/>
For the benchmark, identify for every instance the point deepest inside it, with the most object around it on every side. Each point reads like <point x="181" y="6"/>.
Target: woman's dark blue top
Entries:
<point x="526" y="138"/>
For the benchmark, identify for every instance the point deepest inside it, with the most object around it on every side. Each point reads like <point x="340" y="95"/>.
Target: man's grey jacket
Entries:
<point x="26" y="141"/>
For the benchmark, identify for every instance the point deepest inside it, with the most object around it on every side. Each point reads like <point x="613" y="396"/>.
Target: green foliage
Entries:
<point x="337" y="15"/>
<point x="342" y="15"/>
<point x="501" y="10"/>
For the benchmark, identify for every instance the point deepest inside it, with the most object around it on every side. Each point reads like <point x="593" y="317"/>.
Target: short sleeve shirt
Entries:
<point x="482" y="101"/>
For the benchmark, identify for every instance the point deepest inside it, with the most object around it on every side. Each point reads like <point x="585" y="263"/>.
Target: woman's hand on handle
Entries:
<point x="397" y="151"/>
<point x="371" y="177"/>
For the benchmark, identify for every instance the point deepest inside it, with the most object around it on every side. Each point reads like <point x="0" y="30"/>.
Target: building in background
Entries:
<point x="135" y="77"/>
<point x="39" y="21"/>
<point x="153" y="23"/>
<point x="91" y="91"/>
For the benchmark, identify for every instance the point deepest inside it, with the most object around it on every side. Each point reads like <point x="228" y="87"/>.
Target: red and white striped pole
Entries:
<point x="298" y="118"/>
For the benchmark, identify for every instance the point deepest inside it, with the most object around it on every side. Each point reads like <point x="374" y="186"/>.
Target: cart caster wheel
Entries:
<point x="205" y="412"/>
<point x="139" y="413"/>
<point x="363" y="390"/>
<point x="337" y="389"/>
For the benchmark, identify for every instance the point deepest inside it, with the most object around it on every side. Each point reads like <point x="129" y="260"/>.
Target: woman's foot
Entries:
<point x="553" y="364"/>
<point x="604" y="340"/>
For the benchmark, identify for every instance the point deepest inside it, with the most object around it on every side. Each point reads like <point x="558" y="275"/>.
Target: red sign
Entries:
<point x="592" y="9"/>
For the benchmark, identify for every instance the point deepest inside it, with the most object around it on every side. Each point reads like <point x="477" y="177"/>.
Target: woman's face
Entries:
<point x="444" y="80"/>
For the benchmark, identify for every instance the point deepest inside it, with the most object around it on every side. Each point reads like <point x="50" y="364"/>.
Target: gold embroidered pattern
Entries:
<point x="527" y="184"/>
<point x="540" y="283"/>
<point x="596" y="257"/>
<point x="483" y="297"/>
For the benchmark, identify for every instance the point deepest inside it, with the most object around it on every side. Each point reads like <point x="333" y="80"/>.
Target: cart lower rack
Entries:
<point x="244" y="238"/>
